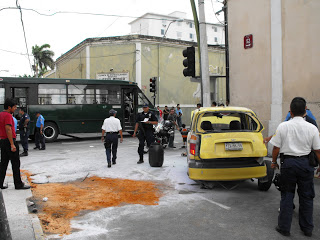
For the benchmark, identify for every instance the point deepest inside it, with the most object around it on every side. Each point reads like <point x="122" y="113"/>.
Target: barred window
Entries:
<point x="52" y="94"/>
<point x="81" y="94"/>
<point x="108" y="94"/>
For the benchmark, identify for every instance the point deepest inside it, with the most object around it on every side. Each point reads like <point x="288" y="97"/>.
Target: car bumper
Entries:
<point x="227" y="174"/>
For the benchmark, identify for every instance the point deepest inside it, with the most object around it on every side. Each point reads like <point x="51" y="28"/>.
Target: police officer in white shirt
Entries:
<point x="294" y="140"/>
<point x="111" y="127"/>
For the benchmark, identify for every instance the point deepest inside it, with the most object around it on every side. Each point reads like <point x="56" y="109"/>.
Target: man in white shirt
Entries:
<point x="111" y="126"/>
<point x="294" y="140"/>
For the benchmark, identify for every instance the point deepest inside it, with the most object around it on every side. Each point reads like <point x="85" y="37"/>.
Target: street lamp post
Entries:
<point x="164" y="36"/>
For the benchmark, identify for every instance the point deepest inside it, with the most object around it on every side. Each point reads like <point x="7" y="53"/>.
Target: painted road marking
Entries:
<point x="216" y="203"/>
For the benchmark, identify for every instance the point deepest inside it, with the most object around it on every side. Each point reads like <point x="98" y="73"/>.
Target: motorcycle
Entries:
<point x="163" y="132"/>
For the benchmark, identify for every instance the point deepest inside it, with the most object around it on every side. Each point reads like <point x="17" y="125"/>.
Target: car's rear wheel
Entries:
<point x="50" y="131"/>
<point x="264" y="186"/>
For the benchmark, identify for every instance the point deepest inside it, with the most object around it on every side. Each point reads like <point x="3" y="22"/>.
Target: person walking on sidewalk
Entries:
<point x="111" y="126"/>
<point x="179" y="115"/>
<point x="173" y="119"/>
<point x="144" y="123"/>
<point x="9" y="146"/>
<point x="39" y="137"/>
<point x="294" y="140"/>
<point x="24" y="131"/>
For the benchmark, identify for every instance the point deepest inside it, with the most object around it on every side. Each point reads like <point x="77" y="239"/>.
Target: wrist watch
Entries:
<point x="273" y="162"/>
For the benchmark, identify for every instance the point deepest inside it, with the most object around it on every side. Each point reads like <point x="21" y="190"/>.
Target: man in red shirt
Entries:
<point x="9" y="146"/>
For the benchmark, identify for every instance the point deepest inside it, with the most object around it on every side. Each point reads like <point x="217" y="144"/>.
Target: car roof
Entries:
<point x="219" y="109"/>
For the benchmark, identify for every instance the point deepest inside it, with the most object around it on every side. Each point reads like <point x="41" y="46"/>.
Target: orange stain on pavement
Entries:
<point x="67" y="200"/>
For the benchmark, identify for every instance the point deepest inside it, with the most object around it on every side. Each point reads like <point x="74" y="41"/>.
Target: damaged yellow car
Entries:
<point x="226" y="144"/>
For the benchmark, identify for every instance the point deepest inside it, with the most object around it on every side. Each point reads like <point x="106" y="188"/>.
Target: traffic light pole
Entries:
<point x="204" y="66"/>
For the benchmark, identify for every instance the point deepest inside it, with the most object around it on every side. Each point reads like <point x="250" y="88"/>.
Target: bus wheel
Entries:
<point x="50" y="132"/>
<point x="264" y="186"/>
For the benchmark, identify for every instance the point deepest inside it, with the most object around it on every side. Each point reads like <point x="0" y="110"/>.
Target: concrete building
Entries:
<point x="175" y="26"/>
<point x="274" y="56"/>
<point x="137" y="58"/>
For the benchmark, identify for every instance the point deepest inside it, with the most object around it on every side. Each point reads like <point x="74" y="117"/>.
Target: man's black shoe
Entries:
<point x="36" y="148"/>
<point x="284" y="233"/>
<point x="140" y="161"/>
<point x="114" y="163"/>
<point x="4" y="186"/>
<point x="24" y="154"/>
<point x="109" y="165"/>
<point x="308" y="234"/>
<point x="42" y="148"/>
<point x="24" y="186"/>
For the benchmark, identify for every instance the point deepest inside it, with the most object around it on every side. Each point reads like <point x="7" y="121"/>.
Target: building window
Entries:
<point x="179" y="35"/>
<point x="215" y="29"/>
<point x="215" y="39"/>
<point x="162" y="31"/>
<point x="191" y="36"/>
<point x="190" y="25"/>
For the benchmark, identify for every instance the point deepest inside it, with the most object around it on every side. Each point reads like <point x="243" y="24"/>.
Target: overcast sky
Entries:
<point x="63" y="31"/>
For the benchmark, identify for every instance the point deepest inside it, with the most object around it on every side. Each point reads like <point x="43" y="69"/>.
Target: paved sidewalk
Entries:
<point x="23" y="226"/>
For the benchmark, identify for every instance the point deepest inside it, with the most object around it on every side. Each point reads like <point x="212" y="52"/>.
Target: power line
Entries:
<point x="24" y="33"/>
<point x="216" y="14"/>
<point x="83" y="13"/>
<point x="23" y="54"/>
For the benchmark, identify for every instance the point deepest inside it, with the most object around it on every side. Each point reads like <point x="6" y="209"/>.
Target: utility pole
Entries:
<point x="204" y="66"/>
<point x="225" y="10"/>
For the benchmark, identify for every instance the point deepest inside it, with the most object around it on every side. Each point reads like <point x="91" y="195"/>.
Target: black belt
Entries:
<point x="111" y="132"/>
<point x="290" y="156"/>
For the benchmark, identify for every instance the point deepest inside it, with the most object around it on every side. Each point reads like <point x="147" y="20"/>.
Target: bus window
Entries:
<point x="80" y="94"/>
<point x="101" y="95"/>
<point x="108" y="94"/>
<point x="2" y="96"/>
<point x="52" y="94"/>
<point x="142" y="99"/>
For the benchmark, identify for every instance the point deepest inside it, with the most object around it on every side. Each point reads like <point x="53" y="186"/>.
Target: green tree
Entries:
<point x="42" y="59"/>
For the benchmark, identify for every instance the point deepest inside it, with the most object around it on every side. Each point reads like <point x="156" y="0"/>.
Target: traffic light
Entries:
<point x="153" y="84"/>
<point x="189" y="62"/>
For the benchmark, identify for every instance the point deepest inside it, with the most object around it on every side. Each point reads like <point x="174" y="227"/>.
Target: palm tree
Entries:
<point x="42" y="59"/>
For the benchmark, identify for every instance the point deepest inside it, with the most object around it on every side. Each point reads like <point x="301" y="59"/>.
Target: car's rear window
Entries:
<point x="226" y="121"/>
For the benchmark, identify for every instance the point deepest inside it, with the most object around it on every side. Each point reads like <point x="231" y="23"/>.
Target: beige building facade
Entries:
<point x="137" y="58"/>
<point x="279" y="62"/>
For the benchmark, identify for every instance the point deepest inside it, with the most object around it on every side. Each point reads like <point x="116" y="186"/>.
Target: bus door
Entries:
<point x="20" y="95"/>
<point x="129" y="100"/>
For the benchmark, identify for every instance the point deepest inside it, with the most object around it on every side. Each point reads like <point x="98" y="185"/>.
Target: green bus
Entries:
<point x="74" y="105"/>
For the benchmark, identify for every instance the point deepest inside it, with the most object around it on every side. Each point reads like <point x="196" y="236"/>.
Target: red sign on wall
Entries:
<point x="248" y="41"/>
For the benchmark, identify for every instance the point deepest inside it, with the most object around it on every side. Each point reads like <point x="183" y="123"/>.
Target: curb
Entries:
<point x="37" y="229"/>
<point x="4" y="223"/>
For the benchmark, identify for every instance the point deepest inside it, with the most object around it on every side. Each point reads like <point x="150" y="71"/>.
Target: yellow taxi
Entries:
<point x="226" y="144"/>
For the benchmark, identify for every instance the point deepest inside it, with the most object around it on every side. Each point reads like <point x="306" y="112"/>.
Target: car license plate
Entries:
<point x="233" y="146"/>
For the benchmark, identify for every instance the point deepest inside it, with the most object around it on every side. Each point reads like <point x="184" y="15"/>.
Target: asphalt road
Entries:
<point x="186" y="211"/>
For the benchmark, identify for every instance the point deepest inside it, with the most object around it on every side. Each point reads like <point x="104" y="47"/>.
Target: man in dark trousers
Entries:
<point x="165" y="112"/>
<point x="144" y="123"/>
<point x="295" y="139"/>
<point x="24" y="131"/>
<point x="9" y="146"/>
<point x="111" y="127"/>
<point x="39" y="138"/>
